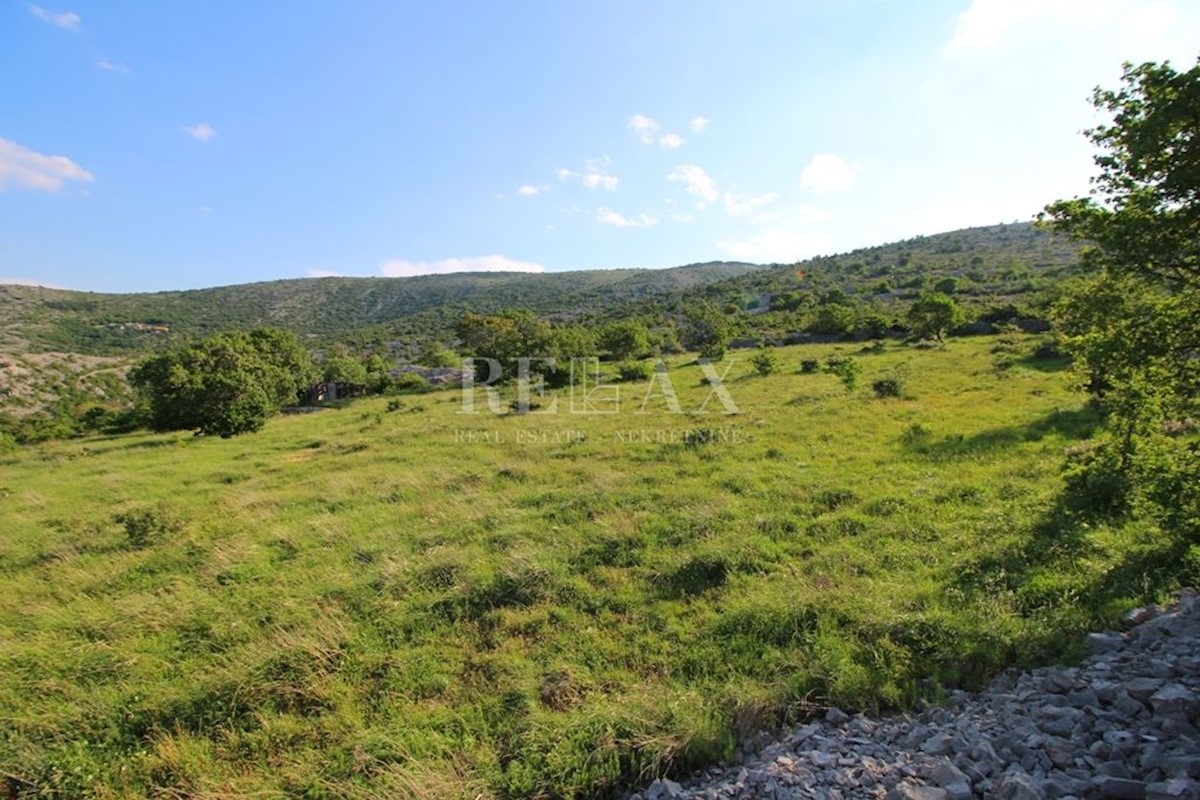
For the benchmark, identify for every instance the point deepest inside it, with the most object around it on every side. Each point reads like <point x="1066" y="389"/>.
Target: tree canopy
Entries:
<point x="227" y="384"/>
<point x="933" y="314"/>
<point x="1134" y="327"/>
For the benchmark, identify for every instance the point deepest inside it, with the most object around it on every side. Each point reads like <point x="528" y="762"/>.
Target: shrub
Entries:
<point x="148" y="525"/>
<point x="888" y="387"/>
<point x="635" y="371"/>
<point x="809" y="365"/>
<point x="765" y="362"/>
<point x="846" y="368"/>
<point x="407" y="382"/>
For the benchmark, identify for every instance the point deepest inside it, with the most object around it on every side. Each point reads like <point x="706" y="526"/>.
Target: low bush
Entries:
<point x="148" y="525"/>
<point x="765" y="362"/>
<point x="888" y="387"/>
<point x="633" y="371"/>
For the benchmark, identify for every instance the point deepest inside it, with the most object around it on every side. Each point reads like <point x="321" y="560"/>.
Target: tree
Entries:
<point x="1134" y="327"/>
<point x="933" y="314"/>
<point x="505" y="337"/>
<point x="344" y="369"/>
<point x="1144" y="213"/>
<point x="625" y="340"/>
<point x="227" y="384"/>
<point x="707" y="331"/>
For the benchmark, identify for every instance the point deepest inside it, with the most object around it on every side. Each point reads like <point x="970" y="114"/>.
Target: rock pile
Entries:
<point x="1123" y="726"/>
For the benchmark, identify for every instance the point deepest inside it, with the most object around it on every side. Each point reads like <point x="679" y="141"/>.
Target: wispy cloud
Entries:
<point x="400" y="268"/>
<point x="777" y="245"/>
<point x="22" y="168"/>
<point x="696" y="181"/>
<point x="529" y="190"/>
<point x="59" y="19"/>
<point x="606" y="216"/>
<point x="314" y="272"/>
<point x="670" y="141"/>
<point x="111" y="66"/>
<point x="596" y="180"/>
<point x="201" y="131"/>
<point x="828" y="172"/>
<point x="596" y="174"/>
<point x="698" y="124"/>
<point x="743" y="205"/>
<point x="28" y="282"/>
<point x="985" y="23"/>
<point x="645" y="128"/>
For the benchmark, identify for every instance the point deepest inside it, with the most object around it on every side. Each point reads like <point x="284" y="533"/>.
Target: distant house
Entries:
<point x="328" y="391"/>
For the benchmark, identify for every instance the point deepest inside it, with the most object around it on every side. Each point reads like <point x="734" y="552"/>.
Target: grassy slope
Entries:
<point x="362" y="603"/>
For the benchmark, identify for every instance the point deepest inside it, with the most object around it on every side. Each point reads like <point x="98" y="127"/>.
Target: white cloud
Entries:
<point x="670" y="141"/>
<point x="681" y="217"/>
<point x="201" y="131"/>
<point x="742" y="205"/>
<point x="22" y="168"/>
<point x="111" y="66"/>
<point x="828" y="172"/>
<point x="645" y="128"/>
<point x="596" y="180"/>
<point x="696" y="181"/>
<point x="313" y="272"/>
<point x="777" y="245"/>
<point x="986" y="22"/>
<point x="606" y="216"/>
<point x="207" y="210"/>
<point x="529" y="190"/>
<point x="399" y="268"/>
<point x="595" y="175"/>
<point x="28" y="282"/>
<point x="64" y="19"/>
<point x="698" y="124"/>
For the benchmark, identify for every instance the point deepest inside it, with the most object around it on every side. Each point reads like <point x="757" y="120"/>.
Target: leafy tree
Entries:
<point x="1134" y="328"/>
<point x="933" y="314"/>
<point x="834" y="318"/>
<point x="227" y="384"/>
<point x="505" y="337"/>
<point x="707" y="331"/>
<point x="344" y="369"/>
<point x="625" y="340"/>
<point x="1144" y="213"/>
<point x="947" y="285"/>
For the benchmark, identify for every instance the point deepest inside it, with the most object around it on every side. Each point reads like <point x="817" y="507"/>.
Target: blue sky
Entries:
<point x="148" y="146"/>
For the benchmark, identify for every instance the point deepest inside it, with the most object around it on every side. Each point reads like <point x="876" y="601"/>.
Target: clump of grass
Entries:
<point x="148" y="525"/>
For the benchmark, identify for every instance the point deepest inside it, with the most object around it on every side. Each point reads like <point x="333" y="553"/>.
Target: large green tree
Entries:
<point x="934" y="314"/>
<point x="227" y="384"/>
<point x="1134" y="326"/>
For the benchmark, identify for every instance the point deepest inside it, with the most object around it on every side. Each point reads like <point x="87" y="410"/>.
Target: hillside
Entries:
<point x="40" y="319"/>
<point x="994" y="265"/>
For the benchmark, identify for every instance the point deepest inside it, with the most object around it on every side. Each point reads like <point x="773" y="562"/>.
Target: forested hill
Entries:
<point x="41" y="319"/>
<point x="996" y="265"/>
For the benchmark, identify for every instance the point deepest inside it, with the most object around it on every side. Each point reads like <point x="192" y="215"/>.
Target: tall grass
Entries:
<point x="362" y="602"/>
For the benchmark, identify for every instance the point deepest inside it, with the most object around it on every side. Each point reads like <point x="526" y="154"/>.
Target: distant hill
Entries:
<point x="38" y="319"/>
<point x="989" y="266"/>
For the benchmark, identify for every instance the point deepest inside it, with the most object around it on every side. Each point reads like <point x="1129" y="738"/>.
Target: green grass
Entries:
<point x="417" y="602"/>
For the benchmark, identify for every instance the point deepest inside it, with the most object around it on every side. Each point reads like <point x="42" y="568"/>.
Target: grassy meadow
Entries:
<point x="393" y="598"/>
